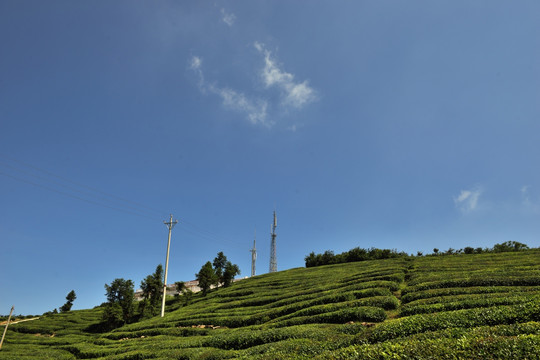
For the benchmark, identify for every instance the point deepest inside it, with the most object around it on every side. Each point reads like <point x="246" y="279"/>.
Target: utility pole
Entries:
<point x="7" y="324"/>
<point x="253" y="255"/>
<point x="170" y="225"/>
<point x="273" y="259"/>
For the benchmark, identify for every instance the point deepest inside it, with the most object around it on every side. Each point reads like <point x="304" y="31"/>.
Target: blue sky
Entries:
<point x="403" y="125"/>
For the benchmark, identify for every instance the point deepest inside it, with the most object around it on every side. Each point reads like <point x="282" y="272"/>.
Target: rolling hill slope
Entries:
<point x="458" y="306"/>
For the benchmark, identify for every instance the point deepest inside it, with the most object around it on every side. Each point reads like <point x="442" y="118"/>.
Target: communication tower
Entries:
<point x="253" y="255"/>
<point x="273" y="258"/>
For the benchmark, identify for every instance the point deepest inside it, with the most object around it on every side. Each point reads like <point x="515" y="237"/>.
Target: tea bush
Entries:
<point x="473" y="306"/>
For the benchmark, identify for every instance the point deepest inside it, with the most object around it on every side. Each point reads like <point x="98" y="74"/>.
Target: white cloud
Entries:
<point x="529" y="203"/>
<point x="228" y="18"/>
<point x="295" y="94"/>
<point x="292" y="94"/>
<point x="468" y="200"/>
<point x="196" y="63"/>
<point x="254" y="109"/>
<point x="525" y="194"/>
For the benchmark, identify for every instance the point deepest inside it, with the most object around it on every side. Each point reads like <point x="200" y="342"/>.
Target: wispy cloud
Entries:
<point x="467" y="200"/>
<point x="292" y="94"/>
<point x="529" y="202"/>
<point x="525" y="197"/>
<point x="255" y="110"/>
<point x="295" y="94"/>
<point x="228" y="18"/>
<point x="195" y="65"/>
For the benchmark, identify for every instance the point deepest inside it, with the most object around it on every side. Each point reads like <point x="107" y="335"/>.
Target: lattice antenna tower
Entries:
<point x="253" y="255"/>
<point x="273" y="258"/>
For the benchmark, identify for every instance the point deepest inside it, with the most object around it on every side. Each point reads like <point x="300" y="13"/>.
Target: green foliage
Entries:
<point x="468" y="250"/>
<point x="460" y="318"/>
<point x="509" y="246"/>
<point x="225" y="271"/>
<point x="466" y="347"/>
<point x="231" y="270"/>
<point x="144" y="309"/>
<point x="364" y="313"/>
<point x="340" y="311"/>
<point x="152" y="287"/>
<point x="187" y="296"/>
<point x="353" y="255"/>
<point x="71" y="296"/>
<point x="206" y="277"/>
<point x="471" y="301"/>
<point x="180" y="287"/>
<point x="359" y="254"/>
<point x="220" y="261"/>
<point x="113" y="315"/>
<point x="442" y="292"/>
<point x="120" y="296"/>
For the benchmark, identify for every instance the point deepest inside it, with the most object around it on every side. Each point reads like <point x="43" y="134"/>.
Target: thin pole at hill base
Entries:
<point x="7" y="324"/>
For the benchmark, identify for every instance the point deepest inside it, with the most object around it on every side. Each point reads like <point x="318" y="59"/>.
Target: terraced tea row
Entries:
<point x="315" y="295"/>
<point x="459" y="306"/>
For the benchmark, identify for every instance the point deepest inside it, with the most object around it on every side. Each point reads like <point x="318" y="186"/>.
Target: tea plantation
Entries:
<point x="481" y="306"/>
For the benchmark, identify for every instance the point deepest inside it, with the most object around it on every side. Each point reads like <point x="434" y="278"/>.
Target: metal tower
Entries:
<point x="253" y="255"/>
<point x="273" y="259"/>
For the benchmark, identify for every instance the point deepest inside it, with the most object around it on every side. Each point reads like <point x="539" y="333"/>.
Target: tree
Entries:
<point x="183" y="292"/>
<point x="231" y="270"/>
<point x="71" y="296"/>
<point x="180" y="287"/>
<point x="186" y="296"/>
<point x="152" y="287"/>
<point x="328" y="257"/>
<point x="435" y="251"/>
<point x="113" y="316"/>
<point x="509" y="246"/>
<point x="312" y="259"/>
<point x="220" y="261"/>
<point x="206" y="277"/>
<point x="356" y="254"/>
<point x="120" y="296"/>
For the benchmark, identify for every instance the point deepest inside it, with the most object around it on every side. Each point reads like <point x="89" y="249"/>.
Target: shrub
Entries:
<point x="472" y="302"/>
<point x="459" y="318"/>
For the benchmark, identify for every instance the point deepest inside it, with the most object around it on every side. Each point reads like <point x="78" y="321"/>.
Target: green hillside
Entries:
<point x="458" y="306"/>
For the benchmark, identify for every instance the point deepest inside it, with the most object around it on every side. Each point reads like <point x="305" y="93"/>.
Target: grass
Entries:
<point x="460" y="306"/>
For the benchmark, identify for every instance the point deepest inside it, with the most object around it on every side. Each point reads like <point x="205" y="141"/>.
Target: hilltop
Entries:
<point x="458" y="306"/>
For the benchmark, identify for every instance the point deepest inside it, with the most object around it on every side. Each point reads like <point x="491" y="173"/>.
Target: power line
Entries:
<point x="209" y="234"/>
<point x="201" y="235"/>
<point x="76" y="197"/>
<point x="71" y="188"/>
<point x="50" y="173"/>
<point x="77" y="191"/>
